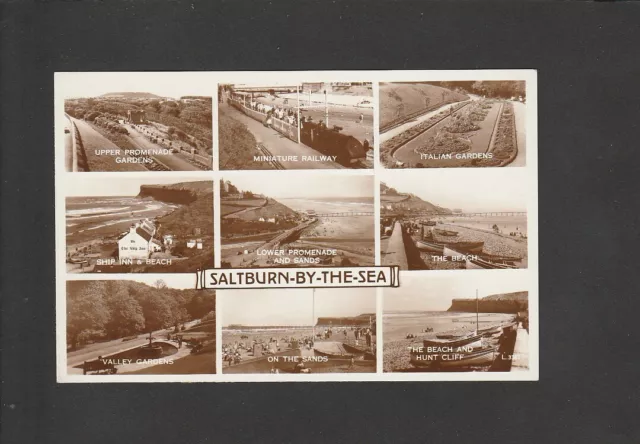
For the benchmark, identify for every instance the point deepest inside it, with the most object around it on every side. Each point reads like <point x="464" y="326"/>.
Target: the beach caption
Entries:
<point x="387" y="276"/>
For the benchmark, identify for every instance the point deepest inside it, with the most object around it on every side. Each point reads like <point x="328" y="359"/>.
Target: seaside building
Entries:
<point x="139" y="242"/>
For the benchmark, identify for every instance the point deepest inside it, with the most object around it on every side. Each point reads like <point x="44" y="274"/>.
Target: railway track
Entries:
<point x="275" y="163"/>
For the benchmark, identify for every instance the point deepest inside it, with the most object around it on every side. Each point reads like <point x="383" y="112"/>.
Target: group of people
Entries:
<point x="288" y="115"/>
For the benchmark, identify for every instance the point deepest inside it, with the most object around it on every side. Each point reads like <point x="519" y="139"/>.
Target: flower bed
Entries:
<point x="387" y="148"/>
<point x="445" y="143"/>
<point x="504" y="147"/>
<point x="461" y="123"/>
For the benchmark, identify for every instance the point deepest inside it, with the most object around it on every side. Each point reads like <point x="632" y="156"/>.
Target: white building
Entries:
<point x="139" y="242"/>
<point x="191" y="243"/>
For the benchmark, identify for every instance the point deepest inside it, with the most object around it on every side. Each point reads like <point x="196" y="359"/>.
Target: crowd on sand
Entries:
<point x="232" y="354"/>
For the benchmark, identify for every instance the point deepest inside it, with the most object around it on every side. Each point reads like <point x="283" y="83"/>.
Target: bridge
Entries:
<point x="349" y="214"/>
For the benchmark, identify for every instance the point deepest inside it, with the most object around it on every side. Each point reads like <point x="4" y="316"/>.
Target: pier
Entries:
<point x="348" y="214"/>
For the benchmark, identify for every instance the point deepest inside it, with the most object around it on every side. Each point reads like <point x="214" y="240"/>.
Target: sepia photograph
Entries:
<point x="450" y="324"/>
<point x="453" y="124"/>
<point x="453" y="219"/>
<point x="137" y="122"/>
<point x="298" y="331"/>
<point x="306" y="125"/>
<point x="297" y="220"/>
<point x="133" y="225"/>
<point x="143" y="326"/>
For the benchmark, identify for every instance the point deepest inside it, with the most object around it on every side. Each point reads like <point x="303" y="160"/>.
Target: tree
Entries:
<point x="159" y="284"/>
<point x="87" y="311"/>
<point x="127" y="316"/>
<point x="157" y="310"/>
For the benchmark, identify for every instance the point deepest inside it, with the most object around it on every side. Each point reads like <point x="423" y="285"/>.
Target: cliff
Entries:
<point x="497" y="303"/>
<point x="179" y="193"/>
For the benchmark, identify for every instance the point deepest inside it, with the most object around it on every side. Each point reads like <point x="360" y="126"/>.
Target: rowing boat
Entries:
<point x="478" y="357"/>
<point x="478" y="263"/>
<point x="430" y="246"/>
<point x="468" y="339"/>
<point x="445" y="232"/>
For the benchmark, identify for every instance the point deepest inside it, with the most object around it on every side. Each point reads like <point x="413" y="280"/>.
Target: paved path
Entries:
<point x="92" y="140"/>
<point x="279" y="145"/>
<point x="396" y="253"/>
<point x="173" y="161"/>
<point x="520" y="110"/>
<point x="68" y="149"/>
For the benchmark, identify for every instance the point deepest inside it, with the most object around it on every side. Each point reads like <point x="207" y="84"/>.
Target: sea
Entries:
<point x="398" y="324"/>
<point x="330" y="205"/>
<point x="94" y="217"/>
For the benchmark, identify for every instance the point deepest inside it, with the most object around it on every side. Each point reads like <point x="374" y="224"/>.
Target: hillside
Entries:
<point x="273" y="208"/>
<point x="197" y="209"/>
<point x="497" y="303"/>
<point x="407" y="201"/>
<point x="400" y="100"/>
<point x="131" y="95"/>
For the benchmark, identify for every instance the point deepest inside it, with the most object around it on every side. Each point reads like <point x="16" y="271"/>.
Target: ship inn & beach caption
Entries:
<point x="164" y="176"/>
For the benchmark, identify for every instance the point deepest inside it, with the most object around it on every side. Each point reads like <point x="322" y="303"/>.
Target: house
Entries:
<point x="261" y="219"/>
<point x="138" y="242"/>
<point x="271" y="220"/>
<point x="167" y="239"/>
<point x="199" y="244"/>
<point x="191" y="243"/>
<point x="155" y="245"/>
<point x="136" y="116"/>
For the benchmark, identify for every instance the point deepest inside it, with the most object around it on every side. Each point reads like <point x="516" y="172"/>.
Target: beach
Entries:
<point x="399" y="324"/>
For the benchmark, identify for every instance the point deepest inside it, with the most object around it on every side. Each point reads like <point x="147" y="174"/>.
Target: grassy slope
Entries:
<point x="412" y="96"/>
<point x="237" y="144"/>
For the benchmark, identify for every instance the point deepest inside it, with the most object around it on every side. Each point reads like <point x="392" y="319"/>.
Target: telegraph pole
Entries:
<point x="326" y="110"/>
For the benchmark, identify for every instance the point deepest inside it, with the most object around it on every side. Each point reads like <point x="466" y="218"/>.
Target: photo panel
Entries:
<point x="138" y="224"/>
<point x="453" y="124"/>
<point x="296" y="220"/>
<point x="144" y="325"/>
<point x="454" y="323"/>
<point x="298" y="331"/>
<point x="277" y="125"/>
<point x="456" y="219"/>
<point x="128" y="122"/>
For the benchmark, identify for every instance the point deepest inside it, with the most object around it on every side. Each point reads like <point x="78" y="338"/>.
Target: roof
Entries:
<point x="144" y="234"/>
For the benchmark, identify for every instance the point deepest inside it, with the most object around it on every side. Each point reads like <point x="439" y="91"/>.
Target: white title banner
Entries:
<point x="331" y="277"/>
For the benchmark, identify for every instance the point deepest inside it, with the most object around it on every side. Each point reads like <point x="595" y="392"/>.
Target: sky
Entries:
<point x="164" y="84"/>
<point x="292" y="306"/>
<point x="470" y="189"/>
<point x="82" y="186"/>
<point x="301" y="184"/>
<point x="427" y="293"/>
